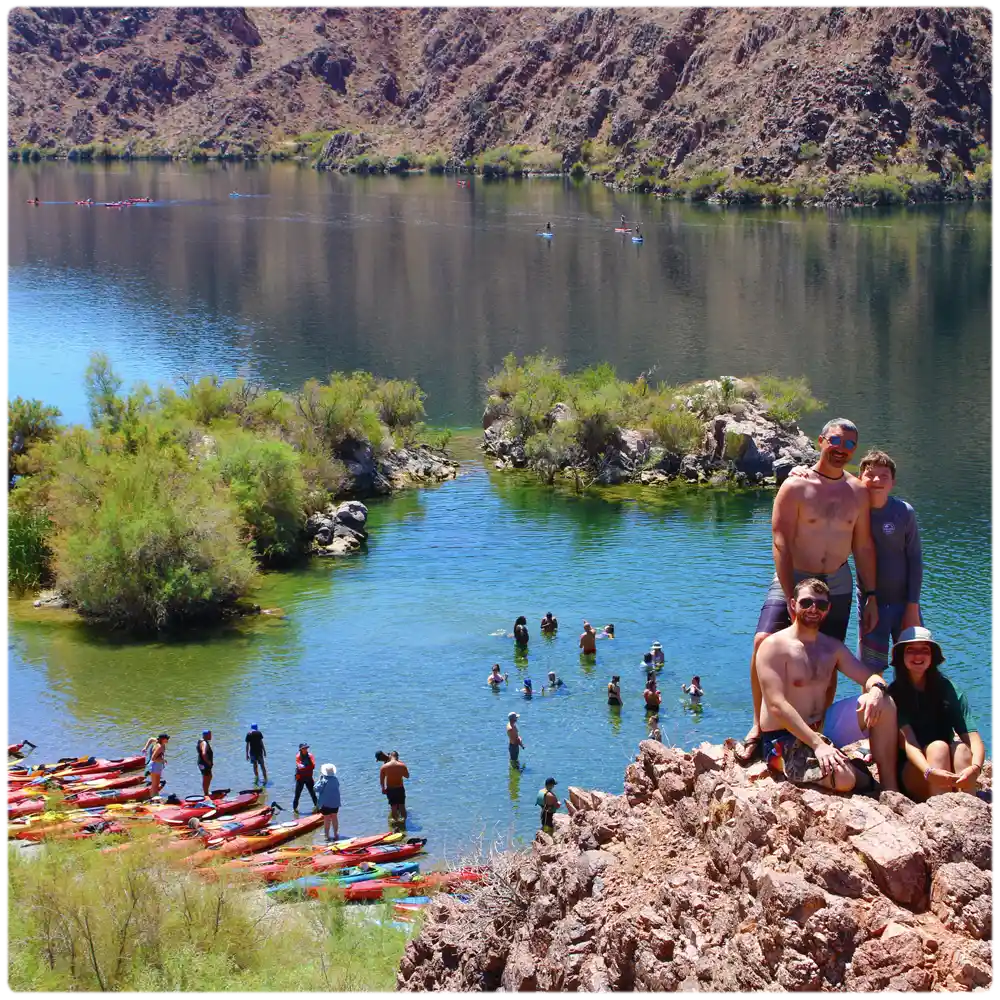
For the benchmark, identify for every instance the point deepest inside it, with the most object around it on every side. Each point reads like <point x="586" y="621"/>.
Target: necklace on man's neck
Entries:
<point x="825" y="476"/>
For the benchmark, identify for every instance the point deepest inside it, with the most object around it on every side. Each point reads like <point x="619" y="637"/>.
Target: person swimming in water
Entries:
<point x="495" y="678"/>
<point x="527" y="689"/>
<point x="657" y="650"/>
<point x="693" y="689"/>
<point x="608" y="632"/>
<point x="554" y="682"/>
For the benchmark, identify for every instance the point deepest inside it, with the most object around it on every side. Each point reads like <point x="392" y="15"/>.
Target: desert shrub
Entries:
<point x="678" y="430"/>
<point x="83" y="920"/>
<point x="400" y="404"/>
<point x="552" y="451"/>
<point x="145" y="542"/>
<point x="340" y="412"/>
<point x="981" y="154"/>
<point x="786" y="399"/>
<point x="982" y="180"/>
<point x="102" y="387"/>
<point x="578" y="171"/>
<point x="29" y="553"/>
<point x="879" y="189"/>
<point x="29" y="423"/>
<point x="703" y="184"/>
<point x="809" y="151"/>
<point x="266" y="482"/>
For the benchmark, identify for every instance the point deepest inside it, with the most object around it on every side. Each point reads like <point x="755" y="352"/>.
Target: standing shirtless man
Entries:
<point x="390" y="776"/>
<point x="816" y="523"/>
<point x="796" y="667"/>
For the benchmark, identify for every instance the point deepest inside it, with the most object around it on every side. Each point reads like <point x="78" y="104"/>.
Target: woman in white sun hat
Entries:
<point x="942" y="750"/>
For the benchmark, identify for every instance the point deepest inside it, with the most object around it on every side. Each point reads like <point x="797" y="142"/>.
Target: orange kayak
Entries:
<point x="270" y="836"/>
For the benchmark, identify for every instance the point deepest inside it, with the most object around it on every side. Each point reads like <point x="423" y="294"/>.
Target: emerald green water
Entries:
<point x="887" y="315"/>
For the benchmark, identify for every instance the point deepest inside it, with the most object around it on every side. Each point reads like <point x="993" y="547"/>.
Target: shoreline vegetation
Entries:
<point x="901" y="179"/>
<point x="591" y="427"/>
<point x="161" y="512"/>
<point x="81" y="919"/>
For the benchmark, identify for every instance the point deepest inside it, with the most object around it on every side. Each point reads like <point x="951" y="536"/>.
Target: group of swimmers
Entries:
<point x="921" y="733"/>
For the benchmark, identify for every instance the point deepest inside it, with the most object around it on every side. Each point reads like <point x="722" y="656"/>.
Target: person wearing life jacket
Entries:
<point x="548" y="802"/>
<point x="305" y="764"/>
<point x="206" y="760"/>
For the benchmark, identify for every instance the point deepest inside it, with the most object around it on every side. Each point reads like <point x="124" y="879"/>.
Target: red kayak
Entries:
<point x="214" y="832"/>
<point x="411" y="885"/>
<point x="198" y="807"/>
<point x="134" y="793"/>
<point x="270" y="836"/>
<point x="102" y="782"/>
<point x="73" y="766"/>
<point x="25" y="807"/>
<point x="374" y="854"/>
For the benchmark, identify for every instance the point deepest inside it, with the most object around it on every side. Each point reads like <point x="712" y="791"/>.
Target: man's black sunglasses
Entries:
<point x="822" y="604"/>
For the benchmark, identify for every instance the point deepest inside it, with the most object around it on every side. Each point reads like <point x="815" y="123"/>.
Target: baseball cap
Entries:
<point x="163" y="736"/>
<point x="303" y="746"/>
<point x="253" y="725"/>
<point x="551" y="781"/>
<point x="513" y="715"/>
<point x="206" y="733"/>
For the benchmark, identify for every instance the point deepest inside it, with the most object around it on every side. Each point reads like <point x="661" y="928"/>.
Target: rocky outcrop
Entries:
<point x="707" y="876"/>
<point x="742" y="445"/>
<point x="339" y="530"/>
<point x="774" y="95"/>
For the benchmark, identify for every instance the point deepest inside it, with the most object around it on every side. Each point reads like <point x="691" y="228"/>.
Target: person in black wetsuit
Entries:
<point x="256" y="752"/>
<point x="206" y="760"/>
<point x="521" y="631"/>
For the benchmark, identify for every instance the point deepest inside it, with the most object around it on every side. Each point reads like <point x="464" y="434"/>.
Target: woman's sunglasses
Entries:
<point x="820" y="603"/>
<point x="848" y="444"/>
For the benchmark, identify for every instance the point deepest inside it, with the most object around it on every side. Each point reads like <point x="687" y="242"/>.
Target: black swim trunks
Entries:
<point x="327" y="811"/>
<point x="774" y="614"/>
<point x="396" y="796"/>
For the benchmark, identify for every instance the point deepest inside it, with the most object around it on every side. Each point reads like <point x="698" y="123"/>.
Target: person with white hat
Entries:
<point x="942" y="749"/>
<point x="514" y="742"/>
<point x="657" y="651"/>
<point x="328" y="794"/>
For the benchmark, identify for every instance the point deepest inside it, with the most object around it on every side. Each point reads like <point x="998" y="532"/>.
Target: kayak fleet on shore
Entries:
<point x="87" y="797"/>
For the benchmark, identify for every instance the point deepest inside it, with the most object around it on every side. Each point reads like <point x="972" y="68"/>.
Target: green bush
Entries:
<point x="578" y="171"/>
<point x="703" y="184"/>
<point x="267" y="484"/>
<point x="678" y="430"/>
<point x="809" y="151"/>
<point x="879" y="189"/>
<point x="982" y="180"/>
<point x="82" y="920"/>
<point x="786" y="399"/>
<point x="29" y="553"/>
<point x="400" y="404"/>
<point x="29" y="423"/>
<point x="147" y="543"/>
<point x="342" y="412"/>
<point x="981" y="154"/>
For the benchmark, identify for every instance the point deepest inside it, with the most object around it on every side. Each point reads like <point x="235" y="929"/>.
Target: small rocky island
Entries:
<point x="595" y="429"/>
<point x="707" y="876"/>
<point x="162" y="512"/>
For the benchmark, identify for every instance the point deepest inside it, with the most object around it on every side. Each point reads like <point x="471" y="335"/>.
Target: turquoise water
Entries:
<point x="886" y="314"/>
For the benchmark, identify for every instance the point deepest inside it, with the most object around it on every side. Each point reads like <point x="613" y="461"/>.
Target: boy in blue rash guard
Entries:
<point x="899" y="575"/>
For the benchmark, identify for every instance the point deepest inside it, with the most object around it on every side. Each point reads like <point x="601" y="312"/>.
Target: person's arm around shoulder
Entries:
<point x="914" y="570"/>
<point x="875" y="697"/>
<point x="863" y="547"/>
<point x="784" y="518"/>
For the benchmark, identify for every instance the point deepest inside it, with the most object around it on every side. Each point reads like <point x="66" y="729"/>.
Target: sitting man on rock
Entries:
<point x="795" y="667"/>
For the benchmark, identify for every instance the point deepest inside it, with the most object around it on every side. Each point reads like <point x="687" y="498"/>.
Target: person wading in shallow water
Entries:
<point x="548" y="624"/>
<point x="588" y="640"/>
<point x="390" y="776"/>
<point x="206" y="760"/>
<point x="514" y="742"/>
<point x="816" y="523"/>
<point x="305" y="766"/>
<point x="615" y="691"/>
<point x="521" y="631"/>
<point x="256" y="752"/>
<point x="548" y="802"/>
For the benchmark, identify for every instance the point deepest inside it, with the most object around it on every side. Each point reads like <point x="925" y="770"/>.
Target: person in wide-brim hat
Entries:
<point x="942" y="750"/>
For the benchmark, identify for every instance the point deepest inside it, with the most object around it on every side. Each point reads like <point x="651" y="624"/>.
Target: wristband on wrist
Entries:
<point x="927" y="773"/>
<point x="868" y="593"/>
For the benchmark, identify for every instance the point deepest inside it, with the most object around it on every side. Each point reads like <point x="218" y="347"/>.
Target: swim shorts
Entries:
<point x="786" y="754"/>
<point x="396" y="796"/>
<point x="774" y="614"/>
<point x="156" y="767"/>
<point x="873" y="650"/>
<point x="548" y="816"/>
<point x="513" y="749"/>
<point x="327" y="811"/>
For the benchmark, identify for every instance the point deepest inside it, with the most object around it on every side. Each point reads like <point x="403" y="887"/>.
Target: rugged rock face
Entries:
<point x="663" y="88"/>
<point x="338" y="530"/>
<point x="706" y="876"/>
<point x="742" y="443"/>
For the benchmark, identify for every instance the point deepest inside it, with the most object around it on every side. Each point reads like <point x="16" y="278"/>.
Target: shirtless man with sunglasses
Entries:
<point x="817" y="521"/>
<point x="796" y="667"/>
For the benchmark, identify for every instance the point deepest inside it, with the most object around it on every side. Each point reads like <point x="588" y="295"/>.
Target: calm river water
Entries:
<point x="886" y="313"/>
